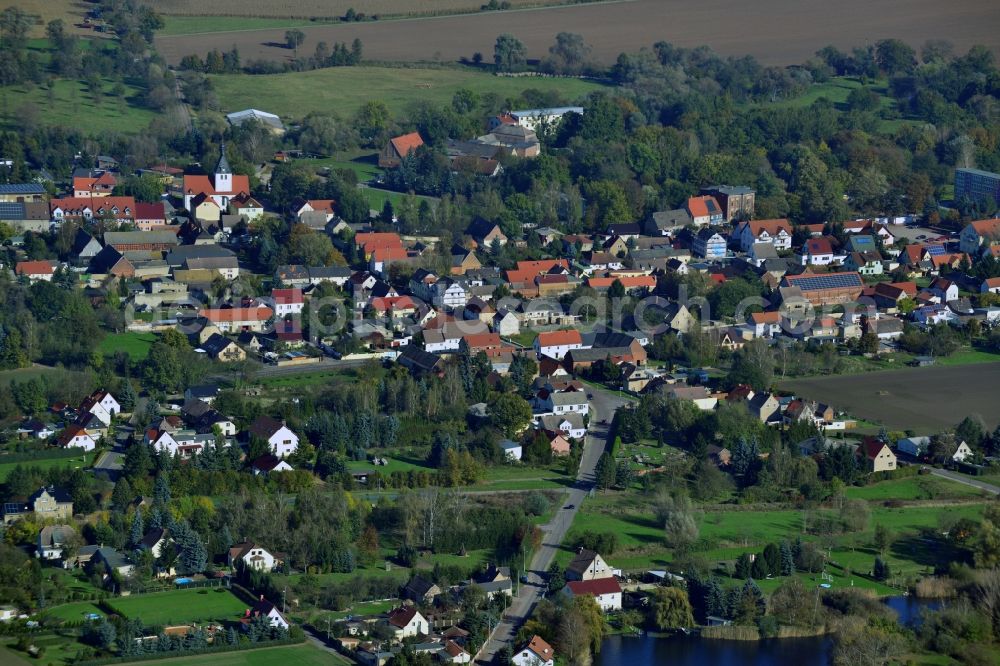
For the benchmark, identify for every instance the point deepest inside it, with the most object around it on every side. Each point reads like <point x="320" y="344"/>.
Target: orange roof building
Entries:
<point x="398" y="148"/>
<point x="230" y="320"/>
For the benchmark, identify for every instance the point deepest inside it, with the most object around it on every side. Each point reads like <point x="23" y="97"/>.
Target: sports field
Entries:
<point x="343" y="90"/>
<point x="776" y="32"/>
<point x="920" y="399"/>
<point x="181" y="606"/>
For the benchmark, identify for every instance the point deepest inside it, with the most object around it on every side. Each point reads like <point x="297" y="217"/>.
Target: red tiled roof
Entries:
<point x="259" y="313"/>
<point x="198" y="184"/>
<point x="373" y="240"/>
<point x="872" y="447"/>
<point x="820" y="245"/>
<point x="287" y="296"/>
<point x="407" y="142"/>
<point x="73" y="204"/>
<point x="986" y="227"/>
<point x="389" y="253"/>
<point x="386" y="303"/>
<point x="323" y="205"/>
<point x="482" y="340"/>
<point x="402" y="616"/>
<point x="559" y="338"/>
<point x="538" y="645"/>
<point x="766" y="317"/>
<point x="699" y="206"/>
<point x="596" y="587"/>
<point x="150" y="211"/>
<point x="39" y="267"/>
<point x="772" y="227"/>
<point x="629" y="282"/>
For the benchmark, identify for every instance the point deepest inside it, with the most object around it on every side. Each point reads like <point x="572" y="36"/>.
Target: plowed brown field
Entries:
<point x="774" y="31"/>
<point x="921" y="399"/>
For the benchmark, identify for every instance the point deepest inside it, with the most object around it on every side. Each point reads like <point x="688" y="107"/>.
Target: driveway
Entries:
<point x="602" y="406"/>
<point x="965" y="480"/>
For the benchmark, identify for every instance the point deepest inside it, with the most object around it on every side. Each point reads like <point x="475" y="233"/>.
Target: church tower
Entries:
<point x="223" y="174"/>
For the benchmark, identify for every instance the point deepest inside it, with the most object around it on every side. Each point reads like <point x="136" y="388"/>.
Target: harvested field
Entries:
<point x="324" y="8"/>
<point x="921" y="399"/>
<point x="779" y="32"/>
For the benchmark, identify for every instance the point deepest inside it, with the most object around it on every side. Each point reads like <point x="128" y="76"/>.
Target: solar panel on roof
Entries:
<point x="827" y="281"/>
<point x="935" y="250"/>
<point x="11" y="211"/>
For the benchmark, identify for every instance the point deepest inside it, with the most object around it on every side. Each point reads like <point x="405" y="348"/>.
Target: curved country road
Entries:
<point x="602" y="406"/>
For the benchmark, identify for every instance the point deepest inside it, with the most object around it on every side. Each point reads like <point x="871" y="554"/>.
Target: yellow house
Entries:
<point x="205" y="209"/>
<point x="878" y="456"/>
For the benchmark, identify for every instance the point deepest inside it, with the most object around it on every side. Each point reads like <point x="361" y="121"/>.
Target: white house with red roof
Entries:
<point x="407" y="621"/>
<point x="778" y="232"/>
<point x="42" y="269"/>
<point x="979" y="234"/>
<point x="556" y="344"/>
<point x="76" y="436"/>
<point x="253" y="556"/>
<point x="705" y="210"/>
<point x="265" y="608"/>
<point x="101" y="186"/>
<point x="84" y="209"/>
<point x="287" y="301"/>
<point x="990" y="286"/>
<point x="150" y="216"/>
<point x="818" y="252"/>
<point x="324" y="206"/>
<point x="221" y="187"/>
<point x="235" y="320"/>
<point x="606" y="591"/>
<point x="536" y="653"/>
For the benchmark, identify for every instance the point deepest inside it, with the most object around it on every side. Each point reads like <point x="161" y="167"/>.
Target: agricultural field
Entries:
<point x="776" y="32"/>
<point x="179" y="606"/>
<point x="71" y="12"/>
<point x="326" y="9"/>
<point x="197" y="25"/>
<point x="136" y="345"/>
<point x="294" y="95"/>
<point x="910" y="399"/>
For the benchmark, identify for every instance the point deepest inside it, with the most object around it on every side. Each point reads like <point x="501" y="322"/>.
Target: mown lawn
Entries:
<point x="175" y="607"/>
<point x="136" y="345"/>
<point x="294" y="95"/>
<point x="913" y="488"/>
<point x="75" y="612"/>
<point x="73" y="461"/>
